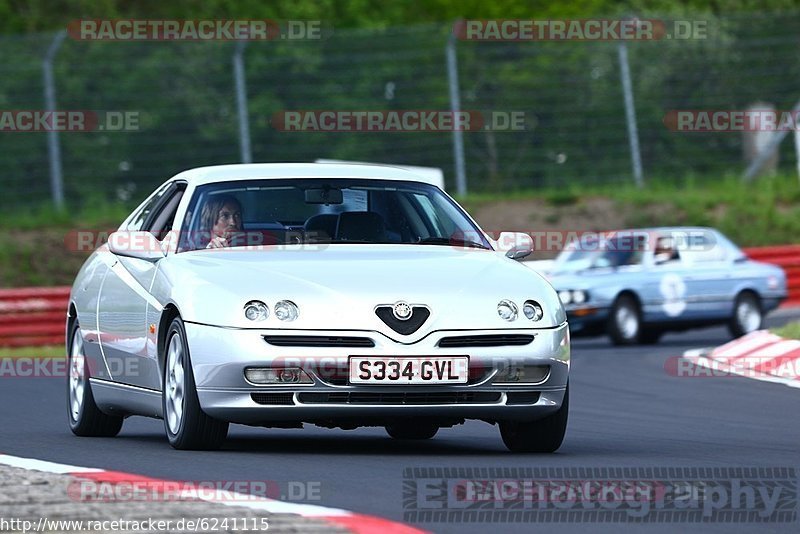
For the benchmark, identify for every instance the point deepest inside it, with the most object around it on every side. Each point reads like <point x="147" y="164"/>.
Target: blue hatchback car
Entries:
<point x="634" y="285"/>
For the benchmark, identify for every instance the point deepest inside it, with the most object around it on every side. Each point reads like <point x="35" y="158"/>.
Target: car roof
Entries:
<point x="275" y="171"/>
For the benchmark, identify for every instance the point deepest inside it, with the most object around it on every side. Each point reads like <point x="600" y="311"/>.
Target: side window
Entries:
<point x="140" y="217"/>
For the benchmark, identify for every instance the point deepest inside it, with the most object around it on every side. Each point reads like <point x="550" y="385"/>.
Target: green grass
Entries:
<point x="50" y="351"/>
<point x="789" y="331"/>
<point x="94" y="213"/>
<point x="764" y="212"/>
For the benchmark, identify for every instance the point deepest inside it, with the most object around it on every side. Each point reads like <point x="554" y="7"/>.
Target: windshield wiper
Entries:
<point x="452" y="241"/>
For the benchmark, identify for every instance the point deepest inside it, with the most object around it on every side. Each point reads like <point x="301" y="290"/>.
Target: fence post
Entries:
<point x="630" y="114"/>
<point x="797" y="149"/>
<point x="53" y="146"/>
<point x="241" y="102"/>
<point x="455" y="107"/>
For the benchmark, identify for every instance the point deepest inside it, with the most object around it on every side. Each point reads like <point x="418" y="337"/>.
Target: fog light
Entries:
<point x="507" y="310"/>
<point x="255" y="310"/>
<point x="286" y="310"/>
<point x="522" y="374"/>
<point x="269" y="376"/>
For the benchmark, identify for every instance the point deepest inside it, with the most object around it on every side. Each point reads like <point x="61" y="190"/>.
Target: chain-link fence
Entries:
<point x="571" y="93"/>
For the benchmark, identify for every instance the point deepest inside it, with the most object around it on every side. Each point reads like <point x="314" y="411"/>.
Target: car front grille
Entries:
<point x="319" y="341"/>
<point x="400" y="398"/>
<point x="486" y="340"/>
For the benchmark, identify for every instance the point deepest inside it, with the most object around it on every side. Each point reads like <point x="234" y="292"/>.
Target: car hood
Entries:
<point x="588" y="278"/>
<point x="339" y="286"/>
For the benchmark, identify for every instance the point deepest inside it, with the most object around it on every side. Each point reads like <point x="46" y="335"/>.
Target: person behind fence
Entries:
<point x="221" y="220"/>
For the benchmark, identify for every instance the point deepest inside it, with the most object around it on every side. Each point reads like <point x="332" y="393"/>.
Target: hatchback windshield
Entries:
<point x="267" y="212"/>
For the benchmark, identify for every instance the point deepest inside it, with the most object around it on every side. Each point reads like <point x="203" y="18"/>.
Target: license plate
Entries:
<point x="414" y="370"/>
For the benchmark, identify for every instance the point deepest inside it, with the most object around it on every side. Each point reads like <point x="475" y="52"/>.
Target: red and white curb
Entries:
<point x="356" y="523"/>
<point x="759" y="355"/>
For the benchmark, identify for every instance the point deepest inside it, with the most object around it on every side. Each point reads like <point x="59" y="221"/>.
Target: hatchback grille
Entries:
<point x="284" y="399"/>
<point x="419" y="315"/>
<point x="399" y="398"/>
<point x="490" y="340"/>
<point x="319" y="341"/>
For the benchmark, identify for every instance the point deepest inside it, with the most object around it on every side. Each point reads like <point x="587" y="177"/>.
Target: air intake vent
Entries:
<point x="399" y="398"/>
<point x="283" y="399"/>
<point x="319" y="341"/>
<point x="490" y="340"/>
<point x="522" y="397"/>
<point x="419" y="314"/>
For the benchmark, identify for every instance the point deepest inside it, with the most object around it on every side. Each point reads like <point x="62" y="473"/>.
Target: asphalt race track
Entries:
<point x="626" y="411"/>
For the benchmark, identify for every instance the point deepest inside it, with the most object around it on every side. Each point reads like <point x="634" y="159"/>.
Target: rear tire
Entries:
<point x="545" y="435"/>
<point x="625" y="321"/>
<point x="187" y="426"/>
<point x="85" y="418"/>
<point x="747" y="315"/>
<point x="412" y="430"/>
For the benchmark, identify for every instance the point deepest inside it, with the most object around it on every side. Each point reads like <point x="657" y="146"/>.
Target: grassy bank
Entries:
<point x="34" y="250"/>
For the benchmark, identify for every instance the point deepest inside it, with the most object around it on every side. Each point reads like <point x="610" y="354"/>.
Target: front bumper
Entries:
<point x="587" y="318"/>
<point x="220" y="355"/>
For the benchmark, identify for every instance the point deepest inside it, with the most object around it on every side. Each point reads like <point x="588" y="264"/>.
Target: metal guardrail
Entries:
<point x="35" y="316"/>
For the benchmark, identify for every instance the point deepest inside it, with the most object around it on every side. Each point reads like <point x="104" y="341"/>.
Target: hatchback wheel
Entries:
<point x="544" y="435"/>
<point x="85" y="418"/>
<point x="625" y="323"/>
<point x="747" y="315"/>
<point x="187" y="426"/>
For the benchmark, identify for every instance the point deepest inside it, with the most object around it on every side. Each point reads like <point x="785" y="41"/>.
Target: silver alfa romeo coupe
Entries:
<point x="332" y="294"/>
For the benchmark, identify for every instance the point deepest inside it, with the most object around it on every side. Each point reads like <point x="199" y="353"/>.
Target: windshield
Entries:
<point x="295" y="211"/>
<point x="601" y="253"/>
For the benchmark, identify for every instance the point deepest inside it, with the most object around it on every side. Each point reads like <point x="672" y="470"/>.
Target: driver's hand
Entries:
<point x="217" y="242"/>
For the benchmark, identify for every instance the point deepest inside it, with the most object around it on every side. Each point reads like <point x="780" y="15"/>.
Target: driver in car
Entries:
<point x="221" y="219"/>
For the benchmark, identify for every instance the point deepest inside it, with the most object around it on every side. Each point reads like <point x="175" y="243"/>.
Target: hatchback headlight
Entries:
<point x="533" y="310"/>
<point x="255" y="310"/>
<point x="286" y="310"/>
<point x="507" y="310"/>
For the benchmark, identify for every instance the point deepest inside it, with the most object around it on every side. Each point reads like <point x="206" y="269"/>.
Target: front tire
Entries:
<point x="747" y="315"/>
<point x="625" y="321"/>
<point x="187" y="426"/>
<point x="545" y="435"/>
<point x="85" y="418"/>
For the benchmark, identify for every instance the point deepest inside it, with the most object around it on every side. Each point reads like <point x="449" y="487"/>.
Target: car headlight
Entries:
<point x="286" y="310"/>
<point x="522" y="374"/>
<point x="255" y="310"/>
<point x="507" y="310"/>
<point x="565" y="297"/>
<point x="533" y="310"/>
<point x="579" y="296"/>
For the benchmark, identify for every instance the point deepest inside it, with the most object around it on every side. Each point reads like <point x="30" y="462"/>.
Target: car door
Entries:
<point x="709" y="275"/>
<point x="125" y="297"/>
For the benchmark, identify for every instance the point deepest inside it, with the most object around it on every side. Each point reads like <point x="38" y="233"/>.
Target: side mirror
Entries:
<point x="140" y="245"/>
<point x="515" y="245"/>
